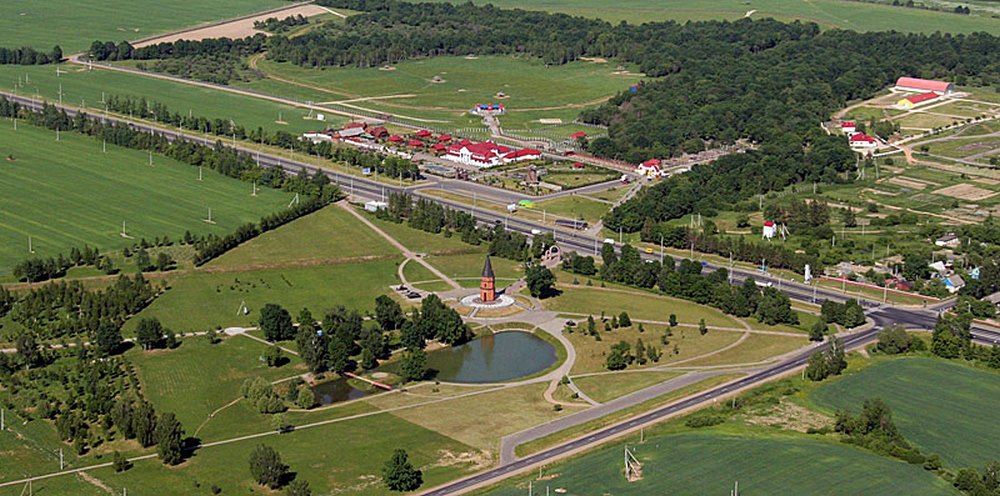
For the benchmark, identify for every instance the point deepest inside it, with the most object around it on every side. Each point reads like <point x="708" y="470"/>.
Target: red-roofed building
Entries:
<point x="922" y="85"/>
<point x="378" y="132"/>
<point x="848" y="128"/>
<point x="522" y="155"/>
<point x="577" y="135"/>
<point x="650" y="169"/>
<point x="914" y="100"/>
<point x="350" y="125"/>
<point x="485" y="154"/>
<point x="444" y="138"/>
<point x="396" y="138"/>
<point x="862" y="142"/>
<point x="770" y="229"/>
<point x="423" y="133"/>
<point x="415" y="143"/>
<point x="439" y="148"/>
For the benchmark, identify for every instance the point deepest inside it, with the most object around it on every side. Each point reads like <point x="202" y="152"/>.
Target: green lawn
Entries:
<point x="756" y="348"/>
<point x="638" y="304"/>
<point x="327" y="235"/>
<point x="68" y="193"/>
<point x="467" y="268"/>
<point x="198" y="377"/>
<point x="942" y="407"/>
<point x="843" y="14"/>
<point x="326" y="457"/>
<point x="75" y="26"/>
<point x="466" y="82"/>
<point x="607" y="387"/>
<point x="685" y="343"/>
<point x="201" y="300"/>
<point x="710" y="463"/>
<point x="424" y="242"/>
<point x="575" y="207"/>
<point x="84" y="88"/>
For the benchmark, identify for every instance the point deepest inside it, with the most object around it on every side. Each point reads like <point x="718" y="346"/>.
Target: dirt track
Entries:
<point x="236" y="28"/>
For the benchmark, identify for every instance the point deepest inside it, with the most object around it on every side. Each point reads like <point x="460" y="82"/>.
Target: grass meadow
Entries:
<point x="828" y="14"/>
<point x="940" y="406"/>
<point x="68" y="193"/>
<point x="710" y="462"/>
<point x="74" y="26"/>
<point x="84" y="88"/>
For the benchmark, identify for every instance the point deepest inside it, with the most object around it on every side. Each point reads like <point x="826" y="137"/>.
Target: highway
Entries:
<point x="572" y="240"/>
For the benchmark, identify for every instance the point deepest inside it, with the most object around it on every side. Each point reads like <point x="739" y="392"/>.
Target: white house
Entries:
<point x="650" y="169"/>
<point x="374" y="206"/>
<point x="948" y="241"/>
<point x="482" y="155"/>
<point x="316" y="137"/>
<point x="863" y="143"/>
<point x="848" y="128"/>
<point x="770" y="229"/>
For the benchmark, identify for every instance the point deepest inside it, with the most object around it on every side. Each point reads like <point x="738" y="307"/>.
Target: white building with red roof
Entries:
<point x="522" y="155"/>
<point x="848" y="127"/>
<point x="650" y="169"/>
<point x="924" y="85"/>
<point x="770" y="229"/>
<point x="482" y="155"/>
<point x="863" y="143"/>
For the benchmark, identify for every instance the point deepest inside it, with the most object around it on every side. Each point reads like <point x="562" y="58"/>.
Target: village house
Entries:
<point x="650" y="169"/>
<point x="948" y="241"/>
<point x="863" y="143"/>
<point x="848" y="128"/>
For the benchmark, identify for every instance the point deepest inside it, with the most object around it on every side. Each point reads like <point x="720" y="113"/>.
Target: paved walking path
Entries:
<point x="406" y="251"/>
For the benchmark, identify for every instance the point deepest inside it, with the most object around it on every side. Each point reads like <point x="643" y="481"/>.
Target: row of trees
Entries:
<point x="30" y="56"/>
<point x="685" y="280"/>
<point x="42" y="269"/>
<point x="275" y="25"/>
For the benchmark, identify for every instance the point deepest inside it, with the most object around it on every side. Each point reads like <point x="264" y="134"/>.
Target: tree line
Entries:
<point x="29" y="56"/>
<point x="42" y="269"/>
<point x="275" y="25"/>
<point x="216" y="60"/>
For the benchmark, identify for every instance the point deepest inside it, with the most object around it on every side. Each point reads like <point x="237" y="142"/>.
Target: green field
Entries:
<point x="198" y="301"/>
<point x="329" y="235"/>
<point x="940" y="406"/>
<point x="74" y="26"/>
<point x="710" y="463"/>
<point x="466" y="82"/>
<point x="582" y="299"/>
<point x="606" y="387"/>
<point x="575" y="207"/>
<point x="828" y="14"/>
<point x="172" y="384"/>
<point x="84" y="88"/>
<point x="68" y="193"/>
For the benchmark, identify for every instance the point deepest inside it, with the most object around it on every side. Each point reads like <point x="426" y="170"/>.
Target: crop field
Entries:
<point x="710" y="462"/>
<point x="68" y="193"/>
<point x="200" y="300"/>
<point x="171" y="384"/>
<point x="84" y="88"/>
<point x="74" y="26"/>
<point x="940" y="406"/>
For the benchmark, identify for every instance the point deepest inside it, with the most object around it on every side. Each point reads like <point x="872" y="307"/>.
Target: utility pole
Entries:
<point x="661" y="249"/>
<point x="61" y="464"/>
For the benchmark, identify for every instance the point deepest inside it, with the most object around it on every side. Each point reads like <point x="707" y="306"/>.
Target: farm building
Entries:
<point x="378" y="132"/>
<point x="924" y="85"/>
<point x="395" y="139"/>
<point x="350" y="132"/>
<point x="650" y="169"/>
<point x="488" y="154"/>
<point x="863" y="143"/>
<point x="578" y="135"/>
<point x="848" y="127"/>
<point x="415" y="143"/>
<point x="423" y="133"/>
<point x="770" y="229"/>
<point x="915" y="100"/>
<point x="317" y="136"/>
<point x="948" y="241"/>
<point x="444" y="138"/>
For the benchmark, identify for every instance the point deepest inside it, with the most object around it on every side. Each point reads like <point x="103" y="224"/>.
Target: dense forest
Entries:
<point x="215" y="60"/>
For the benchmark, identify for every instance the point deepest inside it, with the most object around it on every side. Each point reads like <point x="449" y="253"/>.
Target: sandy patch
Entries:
<point x="97" y="482"/>
<point x="986" y="181"/>
<point x="595" y="60"/>
<point x="967" y="192"/>
<point x="387" y="68"/>
<point x="471" y="57"/>
<point x="908" y="182"/>
<point x="978" y="146"/>
<point x="550" y="121"/>
<point x="790" y="416"/>
<point x="879" y="192"/>
<point x="477" y="459"/>
<point x="235" y="29"/>
<point x="891" y="169"/>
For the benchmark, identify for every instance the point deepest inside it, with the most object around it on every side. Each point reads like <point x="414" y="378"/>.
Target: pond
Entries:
<point x="494" y="358"/>
<point x="337" y="390"/>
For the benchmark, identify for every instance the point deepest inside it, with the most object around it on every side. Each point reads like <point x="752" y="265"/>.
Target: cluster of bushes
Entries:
<point x="827" y="362"/>
<point x="622" y="355"/>
<point x="849" y="314"/>
<point x="874" y="429"/>
<point x="261" y="395"/>
<point x="43" y="269"/>
<point x="275" y="25"/>
<point x="30" y="56"/>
